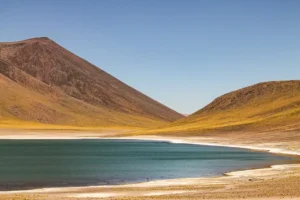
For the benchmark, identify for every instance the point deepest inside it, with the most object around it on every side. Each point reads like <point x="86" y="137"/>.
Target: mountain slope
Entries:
<point x="269" y="106"/>
<point x="43" y="82"/>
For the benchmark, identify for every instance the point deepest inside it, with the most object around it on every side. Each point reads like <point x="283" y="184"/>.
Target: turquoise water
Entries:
<point x="46" y="163"/>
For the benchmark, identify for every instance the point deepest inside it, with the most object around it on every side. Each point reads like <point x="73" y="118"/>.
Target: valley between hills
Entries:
<point x="44" y="86"/>
<point x="48" y="92"/>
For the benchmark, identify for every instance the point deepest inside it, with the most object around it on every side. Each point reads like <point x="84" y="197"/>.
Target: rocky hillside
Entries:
<point x="43" y="82"/>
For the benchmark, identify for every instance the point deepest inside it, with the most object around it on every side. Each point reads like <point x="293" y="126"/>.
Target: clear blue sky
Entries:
<point x="181" y="53"/>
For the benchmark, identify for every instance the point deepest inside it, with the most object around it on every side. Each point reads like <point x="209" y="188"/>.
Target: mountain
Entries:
<point x="268" y="106"/>
<point x="41" y="82"/>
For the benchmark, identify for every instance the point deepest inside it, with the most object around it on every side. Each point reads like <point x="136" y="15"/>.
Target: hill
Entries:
<point x="41" y="82"/>
<point x="268" y="106"/>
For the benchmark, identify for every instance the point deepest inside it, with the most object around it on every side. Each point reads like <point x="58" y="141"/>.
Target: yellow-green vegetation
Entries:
<point x="270" y="106"/>
<point x="31" y="125"/>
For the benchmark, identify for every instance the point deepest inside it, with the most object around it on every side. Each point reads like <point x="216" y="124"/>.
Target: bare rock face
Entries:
<point x="47" y="69"/>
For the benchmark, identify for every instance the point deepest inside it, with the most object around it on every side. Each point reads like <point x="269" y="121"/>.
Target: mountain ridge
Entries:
<point x="44" y="67"/>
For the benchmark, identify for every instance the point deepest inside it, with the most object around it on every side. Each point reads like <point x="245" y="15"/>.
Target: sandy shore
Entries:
<point x="275" y="182"/>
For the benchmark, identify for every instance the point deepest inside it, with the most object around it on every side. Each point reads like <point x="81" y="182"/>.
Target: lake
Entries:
<point x="26" y="164"/>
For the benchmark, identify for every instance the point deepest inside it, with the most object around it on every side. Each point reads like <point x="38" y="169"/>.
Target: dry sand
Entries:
<point x="276" y="182"/>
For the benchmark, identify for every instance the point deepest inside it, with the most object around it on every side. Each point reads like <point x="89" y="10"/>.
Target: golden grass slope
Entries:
<point x="24" y="108"/>
<point x="268" y="106"/>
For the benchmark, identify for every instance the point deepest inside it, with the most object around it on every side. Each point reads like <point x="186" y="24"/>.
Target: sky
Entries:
<point x="182" y="53"/>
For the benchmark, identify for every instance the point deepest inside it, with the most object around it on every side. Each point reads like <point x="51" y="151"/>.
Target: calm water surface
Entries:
<point x="46" y="163"/>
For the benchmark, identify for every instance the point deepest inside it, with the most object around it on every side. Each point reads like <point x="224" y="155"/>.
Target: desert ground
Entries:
<point x="274" y="182"/>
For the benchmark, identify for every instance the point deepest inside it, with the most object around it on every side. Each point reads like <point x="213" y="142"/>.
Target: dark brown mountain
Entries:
<point x="43" y="82"/>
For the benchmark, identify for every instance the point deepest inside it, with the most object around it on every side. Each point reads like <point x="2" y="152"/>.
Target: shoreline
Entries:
<point x="256" y="172"/>
<point x="179" y="140"/>
<point x="190" y="141"/>
<point x="155" y="138"/>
